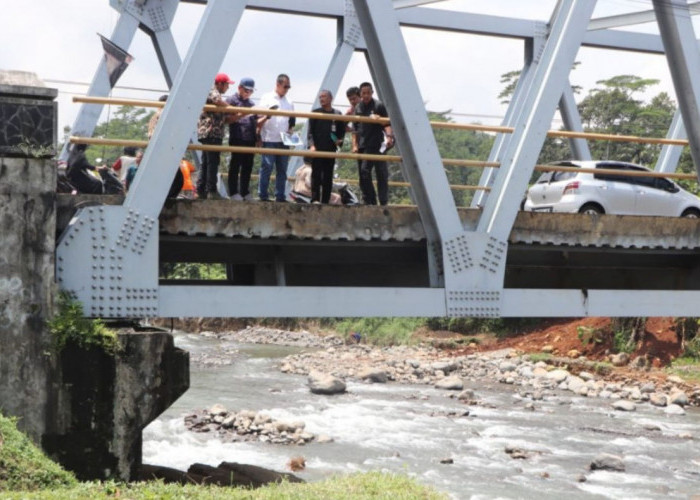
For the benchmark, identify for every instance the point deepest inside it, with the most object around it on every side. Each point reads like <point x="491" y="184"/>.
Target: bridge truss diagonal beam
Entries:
<point x="109" y="255"/>
<point x="167" y="147"/>
<point x="549" y="79"/>
<point x="683" y="56"/>
<point x="421" y="164"/>
<point x="670" y="155"/>
<point x="533" y="52"/>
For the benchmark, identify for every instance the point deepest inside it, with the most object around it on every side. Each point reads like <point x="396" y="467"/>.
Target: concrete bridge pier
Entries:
<point x="85" y="408"/>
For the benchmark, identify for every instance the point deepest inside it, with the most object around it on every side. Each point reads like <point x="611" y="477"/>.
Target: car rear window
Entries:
<point x="563" y="176"/>
<point x="555" y="176"/>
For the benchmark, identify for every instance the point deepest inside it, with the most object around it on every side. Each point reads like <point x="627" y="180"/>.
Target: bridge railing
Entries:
<point x="455" y="162"/>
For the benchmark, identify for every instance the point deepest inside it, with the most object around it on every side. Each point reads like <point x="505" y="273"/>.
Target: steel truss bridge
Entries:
<point x="432" y="260"/>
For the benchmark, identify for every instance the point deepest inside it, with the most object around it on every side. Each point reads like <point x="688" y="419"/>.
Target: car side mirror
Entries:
<point x="672" y="188"/>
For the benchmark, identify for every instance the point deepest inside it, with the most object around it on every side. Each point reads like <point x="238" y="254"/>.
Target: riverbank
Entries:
<point x="532" y="376"/>
<point x="492" y="438"/>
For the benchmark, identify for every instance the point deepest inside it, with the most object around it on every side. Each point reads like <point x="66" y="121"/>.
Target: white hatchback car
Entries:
<point x="605" y="193"/>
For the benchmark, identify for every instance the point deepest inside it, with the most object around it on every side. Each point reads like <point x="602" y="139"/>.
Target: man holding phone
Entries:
<point x="271" y="129"/>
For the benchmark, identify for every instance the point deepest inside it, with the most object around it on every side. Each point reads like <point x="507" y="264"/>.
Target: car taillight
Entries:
<point x="572" y="187"/>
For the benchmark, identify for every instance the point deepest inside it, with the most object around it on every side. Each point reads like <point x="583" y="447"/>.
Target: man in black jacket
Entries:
<point x="370" y="137"/>
<point x="324" y="135"/>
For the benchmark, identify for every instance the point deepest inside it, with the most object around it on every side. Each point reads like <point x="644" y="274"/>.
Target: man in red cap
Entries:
<point x="210" y="130"/>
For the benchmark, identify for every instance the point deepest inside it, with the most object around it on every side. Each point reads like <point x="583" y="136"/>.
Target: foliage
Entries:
<point x="30" y="147"/>
<point x="687" y="332"/>
<point x="359" y="486"/>
<point x="69" y="326"/>
<point x="502" y="327"/>
<point x="613" y="109"/>
<point x="192" y="271"/>
<point x="127" y="122"/>
<point x="23" y="466"/>
<point x="510" y="80"/>
<point x="587" y="334"/>
<point x="627" y="332"/>
<point x="382" y="331"/>
<point x="602" y="367"/>
<point x="463" y="145"/>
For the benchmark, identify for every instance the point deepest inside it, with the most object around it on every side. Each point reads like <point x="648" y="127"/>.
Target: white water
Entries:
<point x="398" y="428"/>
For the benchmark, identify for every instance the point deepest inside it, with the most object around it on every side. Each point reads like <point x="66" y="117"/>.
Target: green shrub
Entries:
<point x="192" y="271"/>
<point x="536" y="357"/>
<point x="502" y="327"/>
<point x="627" y="332"/>
<point x="687" y="331"/>
<point x="588" y="335"/>
<point x="382" y="331"/>
<point x="69" y="325"/>
<point x="23" y="466"/>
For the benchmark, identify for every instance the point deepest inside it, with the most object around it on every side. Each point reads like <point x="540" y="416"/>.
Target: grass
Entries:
<point x="26" y="473"/>
<point x="382" y="331"/>
<point x="686" y="368"/>
<point x="360" y="486"/>
<point x="23" y="466"/>
<point x="536" y="357"/>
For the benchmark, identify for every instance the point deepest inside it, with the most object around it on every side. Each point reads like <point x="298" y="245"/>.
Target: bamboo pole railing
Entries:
<point x="365" y="119"/>
<point x="96" y="141"/>
<point x="360" y="156"/>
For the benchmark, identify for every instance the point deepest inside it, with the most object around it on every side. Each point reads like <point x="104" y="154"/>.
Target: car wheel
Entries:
<point x="591" y="209"/>
<point x="691" y="213"/>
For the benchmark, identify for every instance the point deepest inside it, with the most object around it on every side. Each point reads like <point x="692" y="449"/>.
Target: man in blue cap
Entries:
<point x="241" y="132"/>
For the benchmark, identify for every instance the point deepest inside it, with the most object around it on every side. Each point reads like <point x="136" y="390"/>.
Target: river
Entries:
<point x="410" y="429"/>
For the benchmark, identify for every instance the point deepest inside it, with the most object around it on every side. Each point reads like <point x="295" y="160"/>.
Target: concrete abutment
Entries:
<point x="84" y="407"/>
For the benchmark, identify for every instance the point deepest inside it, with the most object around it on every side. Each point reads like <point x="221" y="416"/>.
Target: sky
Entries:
<point x="57" y="40"/>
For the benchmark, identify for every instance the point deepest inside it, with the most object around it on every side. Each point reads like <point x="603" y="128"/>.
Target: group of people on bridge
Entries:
<point x="268" y="131"/>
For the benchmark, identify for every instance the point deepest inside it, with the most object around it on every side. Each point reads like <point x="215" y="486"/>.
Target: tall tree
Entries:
<point x="612" y="108"/>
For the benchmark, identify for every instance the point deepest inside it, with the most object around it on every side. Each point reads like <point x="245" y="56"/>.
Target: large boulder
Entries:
<point x="376" y="375"/>
<point x="450" y="384"/>
<point x="324" y="383"/>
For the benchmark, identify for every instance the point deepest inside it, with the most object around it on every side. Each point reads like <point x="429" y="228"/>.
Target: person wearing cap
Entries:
<point x="210" y="130"/>
<point x="370" y="139"/>
<point x="241" y="132"/>
<point x="271" y="129"/>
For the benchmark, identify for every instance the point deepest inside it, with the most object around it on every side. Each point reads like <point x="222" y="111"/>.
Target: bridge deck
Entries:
<point x="386" y="246"/>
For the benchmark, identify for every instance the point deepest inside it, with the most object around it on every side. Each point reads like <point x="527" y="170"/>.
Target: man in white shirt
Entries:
<point x="271" y="128"/>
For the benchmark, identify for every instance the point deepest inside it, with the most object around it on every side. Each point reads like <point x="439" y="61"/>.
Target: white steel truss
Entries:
<point x="108" y="256"/>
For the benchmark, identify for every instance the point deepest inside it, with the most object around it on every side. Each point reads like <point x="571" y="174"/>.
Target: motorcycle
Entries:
<point x="110" y="182"/>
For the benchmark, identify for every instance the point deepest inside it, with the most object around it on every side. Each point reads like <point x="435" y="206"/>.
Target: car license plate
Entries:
<point x="542" y="209"/>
